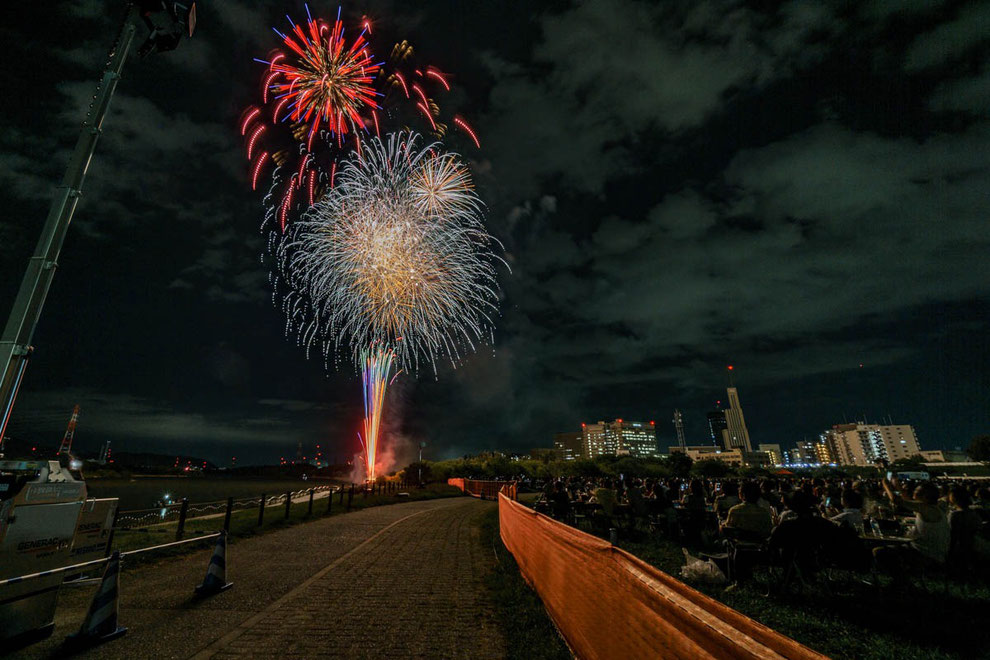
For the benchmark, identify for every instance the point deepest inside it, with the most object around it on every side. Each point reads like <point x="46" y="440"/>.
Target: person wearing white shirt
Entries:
<point x="852" y="511"/>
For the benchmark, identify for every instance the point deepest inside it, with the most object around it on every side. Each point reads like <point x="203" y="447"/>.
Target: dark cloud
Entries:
<point x="604" y="72"/>
<point x="969" y="94"/>
<point x="788" y="252"/>
<point x="951" y="40"/>
<point x="131" y="421"/>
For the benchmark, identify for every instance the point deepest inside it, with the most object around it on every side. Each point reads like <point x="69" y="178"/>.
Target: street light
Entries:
<point x="167" y="22"/>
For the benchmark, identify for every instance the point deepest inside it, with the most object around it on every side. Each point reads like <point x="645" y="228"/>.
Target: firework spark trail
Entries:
<point x="376" y="367"/>
<point x="319" y="93"/>
<point x="397" y="249"/>
<point x="395" y="257"/>
<point x="380" y="249"/>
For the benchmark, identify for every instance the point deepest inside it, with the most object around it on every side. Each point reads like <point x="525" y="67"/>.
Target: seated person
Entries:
<point x="943" y="499"/>
<point x="982" y="503"/>
<point x="788" y="513"/>
<point x="606" y="497"/>
<point x="803" y="535"/>
<point x="694" y="499"/>
<point x="748" y="519"/>
<point x="931" y="527"/>
<point x="852" y="511"/>
<point x="768" y="495"/>
<point x="832" y="502"/>
<point x="728" y="498"/>
<point x="930" y="539"/>
<point x="637" y="502"/>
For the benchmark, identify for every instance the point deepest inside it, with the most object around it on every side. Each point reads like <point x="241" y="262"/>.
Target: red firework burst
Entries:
<point x="319" y="92"/>
<point x="328" y="81"/>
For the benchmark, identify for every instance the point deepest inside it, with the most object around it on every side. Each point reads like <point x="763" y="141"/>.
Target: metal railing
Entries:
<point x="97" y="562"/>
<point x="159" y="519"/>
<point x="183" y="510"/>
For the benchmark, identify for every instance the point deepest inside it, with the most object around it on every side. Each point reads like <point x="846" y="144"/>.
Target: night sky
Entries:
<point x="799" y="189"/>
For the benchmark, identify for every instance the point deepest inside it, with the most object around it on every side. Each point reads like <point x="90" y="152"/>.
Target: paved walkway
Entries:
<point x="399" y="581"/>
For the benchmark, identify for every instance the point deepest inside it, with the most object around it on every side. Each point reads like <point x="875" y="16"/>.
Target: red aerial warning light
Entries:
<point x="730" y="367"/>
<point x="652" y="423"/>
<point x="619" y="420"/>
<point x="583" y="424"/>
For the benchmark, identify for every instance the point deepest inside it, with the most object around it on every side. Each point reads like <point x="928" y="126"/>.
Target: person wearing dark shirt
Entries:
<point x="803" y="537"/>
<point x="560" y="503"/>
<point x="964" y="524"/>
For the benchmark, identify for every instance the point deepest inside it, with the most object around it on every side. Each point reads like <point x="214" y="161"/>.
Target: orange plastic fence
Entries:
<point x="609" y="604"/>
<point x="486" y="490"/>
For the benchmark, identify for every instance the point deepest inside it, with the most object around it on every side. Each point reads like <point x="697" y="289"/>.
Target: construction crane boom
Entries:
<point x="167" y="23"/>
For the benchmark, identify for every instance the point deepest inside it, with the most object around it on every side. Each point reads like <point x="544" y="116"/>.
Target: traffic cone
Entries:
<point x="216" y="573"/>
<point x="100" y="624"/>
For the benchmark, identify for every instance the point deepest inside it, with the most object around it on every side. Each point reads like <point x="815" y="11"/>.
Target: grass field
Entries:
<point x="529" y="633"/>
<point x="143" y="492"/>
<point x="939" y="619"/>
<point x="857" y="621"/>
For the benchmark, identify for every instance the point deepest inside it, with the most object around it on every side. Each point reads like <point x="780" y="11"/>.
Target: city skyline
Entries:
<point x="859" y="443"/>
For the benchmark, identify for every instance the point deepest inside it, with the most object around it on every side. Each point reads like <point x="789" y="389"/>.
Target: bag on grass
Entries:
<point x="698" y="570"/>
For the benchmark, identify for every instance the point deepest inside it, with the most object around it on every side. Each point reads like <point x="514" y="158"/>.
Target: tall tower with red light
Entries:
<point x="679" y="428"/>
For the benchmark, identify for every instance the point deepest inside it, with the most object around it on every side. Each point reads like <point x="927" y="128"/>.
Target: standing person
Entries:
<point x="606" y="497"/>
<point x="964" y="523"/>
<point x="560" y="502"/>
<point x="692" y="515"/>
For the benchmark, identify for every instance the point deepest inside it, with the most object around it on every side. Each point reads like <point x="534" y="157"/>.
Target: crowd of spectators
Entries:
<point x="902" y="529"/>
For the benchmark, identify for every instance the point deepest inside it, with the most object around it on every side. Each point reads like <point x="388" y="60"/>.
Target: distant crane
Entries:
<point x="70" y="432"/>
<point x="679" y="427"/>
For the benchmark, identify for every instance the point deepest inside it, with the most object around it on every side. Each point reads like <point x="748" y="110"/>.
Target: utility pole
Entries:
<point x="15" y="343"/>
<point x="420" y="466"/>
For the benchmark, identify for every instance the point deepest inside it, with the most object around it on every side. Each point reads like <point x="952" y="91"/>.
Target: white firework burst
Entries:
<point x="395" y="254"/>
